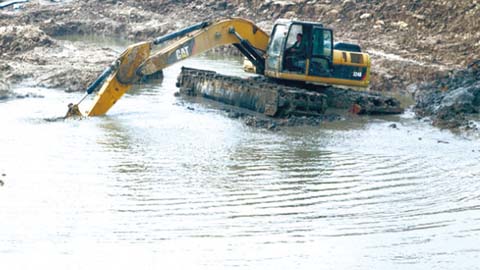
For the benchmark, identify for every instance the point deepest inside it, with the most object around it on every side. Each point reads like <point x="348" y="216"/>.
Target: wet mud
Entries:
<point x="452" y="101"/>
<point x="39" y="60"/>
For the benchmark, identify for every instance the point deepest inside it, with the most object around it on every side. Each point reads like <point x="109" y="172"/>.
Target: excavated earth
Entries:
<point x="30" y="55"/>
<point x="451" y="101"/>
<point x="417" y="47"/>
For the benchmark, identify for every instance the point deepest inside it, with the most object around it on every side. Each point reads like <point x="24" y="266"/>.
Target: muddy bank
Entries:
<point x="125" y="19"/>
<point x="32" y="57"/>
<point x="34" y="53"/>
<point x="451" y="101"/>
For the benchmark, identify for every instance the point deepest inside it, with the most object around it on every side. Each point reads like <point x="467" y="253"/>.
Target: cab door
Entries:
<point x="321" y="62"/>
<point x="296" y="49"/>
<point x="274" y="52"/>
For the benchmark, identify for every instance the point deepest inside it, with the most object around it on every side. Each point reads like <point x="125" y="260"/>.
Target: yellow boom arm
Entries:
<point x="137" y="61"/>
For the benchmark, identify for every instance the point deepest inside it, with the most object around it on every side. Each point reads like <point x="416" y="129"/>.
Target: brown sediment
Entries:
<point x="452" y="101"/>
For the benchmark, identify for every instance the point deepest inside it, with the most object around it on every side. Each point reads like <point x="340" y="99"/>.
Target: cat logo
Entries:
<point x="182" y="53"/>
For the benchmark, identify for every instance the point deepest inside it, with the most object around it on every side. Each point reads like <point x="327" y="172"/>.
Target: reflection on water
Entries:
<point x="155" y="185"/>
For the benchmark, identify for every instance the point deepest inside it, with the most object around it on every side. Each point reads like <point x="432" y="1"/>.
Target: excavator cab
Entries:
<point x="304" y="51"/>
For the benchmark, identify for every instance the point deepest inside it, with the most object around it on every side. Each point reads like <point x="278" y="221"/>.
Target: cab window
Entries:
<point x="292" y="35"/>
<point x="277" y="40"/>
<point x="322" y="42"/>
<point x="275" y="47"/>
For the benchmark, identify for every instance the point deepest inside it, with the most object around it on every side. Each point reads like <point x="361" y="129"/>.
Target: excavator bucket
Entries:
<point x="120" y="78"/>
<point x="73" y="111"/>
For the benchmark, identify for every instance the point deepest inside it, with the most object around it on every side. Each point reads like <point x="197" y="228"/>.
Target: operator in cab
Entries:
<point x="295" y="55"/>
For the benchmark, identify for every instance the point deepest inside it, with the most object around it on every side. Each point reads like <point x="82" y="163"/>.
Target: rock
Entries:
<point x="221" y="5"/>
<point x="365" y="16"/>
<point x="233" y="114"/>
<point x="450" y="101"/>
<point x="290" y="15"/>
<point x="348" y="5"/>
<point x="284" y="3"/>
<point x="272" y="125"/>
<point x="419" y="17"/>
<point x="458" y="100"/>
<point x="401" y="25"/>
<point x="250" y="121"/>
<point x="333" y="12"/>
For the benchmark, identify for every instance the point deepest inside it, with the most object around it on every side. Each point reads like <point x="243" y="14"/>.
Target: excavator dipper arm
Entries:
<point x="217" y="34"/>
<point x="136" y="61"/>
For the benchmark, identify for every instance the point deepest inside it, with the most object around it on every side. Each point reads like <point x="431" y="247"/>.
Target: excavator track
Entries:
<point x="274" y="99"/>
<point x="254" y="93"/>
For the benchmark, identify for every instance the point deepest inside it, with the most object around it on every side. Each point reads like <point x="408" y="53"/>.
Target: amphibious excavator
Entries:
<point x="276" y="57"/>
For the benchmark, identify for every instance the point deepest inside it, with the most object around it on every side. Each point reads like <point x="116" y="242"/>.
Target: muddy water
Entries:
<point x="164" y="183"/>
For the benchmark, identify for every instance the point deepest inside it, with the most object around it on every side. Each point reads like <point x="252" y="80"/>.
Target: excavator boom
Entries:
<point x="136" y="61"/>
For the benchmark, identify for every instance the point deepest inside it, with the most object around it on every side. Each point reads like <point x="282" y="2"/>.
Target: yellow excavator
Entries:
<point x="295" y="51"/>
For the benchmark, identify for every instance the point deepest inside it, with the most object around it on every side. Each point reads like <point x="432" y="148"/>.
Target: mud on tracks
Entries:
<point x="281" y="105"/>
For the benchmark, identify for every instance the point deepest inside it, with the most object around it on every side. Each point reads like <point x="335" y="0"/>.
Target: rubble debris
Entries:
<point x="17" y="39"/>
<point x="451" y="101"/>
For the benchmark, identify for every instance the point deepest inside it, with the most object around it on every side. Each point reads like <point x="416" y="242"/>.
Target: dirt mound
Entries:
<point x="71" y="80"/>
<point x="451" y="100"/>
<point x="19" y="39"/>
<point x="110" y="18"/>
